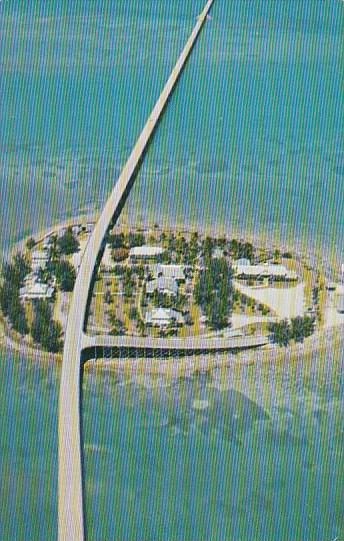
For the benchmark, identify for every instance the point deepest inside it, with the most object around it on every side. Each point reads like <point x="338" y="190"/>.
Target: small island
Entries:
<point x="155" y="283"/>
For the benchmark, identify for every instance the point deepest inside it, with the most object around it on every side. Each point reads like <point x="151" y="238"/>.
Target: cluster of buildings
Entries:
<point x="34" y="286"/>
<point x="161" y="278"/>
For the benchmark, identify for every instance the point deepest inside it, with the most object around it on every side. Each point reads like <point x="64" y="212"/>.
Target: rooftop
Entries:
<point x="266" y="269"/>
<point x="146" y="251"/>
<point x="37" y="290"/>
<point x="163" y="316"/>
<point x="167" y="285"/>
<point x="168" y="271"/>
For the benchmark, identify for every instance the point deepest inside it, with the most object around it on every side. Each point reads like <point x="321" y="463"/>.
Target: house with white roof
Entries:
<point x="266" y="270"/>
<point x="168" y="286"/>
<point x="36" y="290"/>
<point x="163" y="317"/>
<point x="175" y="272"/>
<point x="39" y="260"/>
<point x="145" y="253"/>
<point x="242" y="262"/>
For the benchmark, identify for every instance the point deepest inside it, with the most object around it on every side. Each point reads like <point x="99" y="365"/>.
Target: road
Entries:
<point x="70" y="480"/>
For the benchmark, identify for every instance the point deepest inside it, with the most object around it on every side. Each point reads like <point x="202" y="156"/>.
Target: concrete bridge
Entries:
<point x="70" y="480"/>
<point x="96" y="345"/>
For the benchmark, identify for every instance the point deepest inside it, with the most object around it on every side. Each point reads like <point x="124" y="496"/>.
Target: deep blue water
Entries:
<point x="251" y="140"/>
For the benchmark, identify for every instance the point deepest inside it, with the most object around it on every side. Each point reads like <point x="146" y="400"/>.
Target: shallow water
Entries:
<point x="251" y="140"/>
<point x="262" y="458"/>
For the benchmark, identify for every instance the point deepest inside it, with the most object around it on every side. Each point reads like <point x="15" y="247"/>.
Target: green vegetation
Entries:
<point x="65" y="274"/>
<point x="133" y="313"/>
<point x="117" y="326"/>
<point x="136" y="239"/>
<point x="299" y="328"/>
<point x="240" y="249"/>
<point x="30" y="243"/>
<point x="44" y="330"/>
<point x="68" y="244"/>
<point x="164" y="300"/>
<point x="120" y="254"/>
<point x="208" y="247"/>
<point x="116" y="240"/>
<point x="13" y="275"/>
<point x="213" y="292"/>
<point x="12" y="308"/>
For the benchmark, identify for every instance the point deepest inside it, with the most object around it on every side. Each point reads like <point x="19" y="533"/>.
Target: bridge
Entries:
<point x="70" y="481"/>
<point x="150" y="345"/>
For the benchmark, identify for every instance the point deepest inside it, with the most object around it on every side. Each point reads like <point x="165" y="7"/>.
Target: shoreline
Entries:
<point x="179" y="366"/>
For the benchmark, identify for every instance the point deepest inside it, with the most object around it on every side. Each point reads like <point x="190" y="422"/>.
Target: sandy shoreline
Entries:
<point x="181" y="366"/>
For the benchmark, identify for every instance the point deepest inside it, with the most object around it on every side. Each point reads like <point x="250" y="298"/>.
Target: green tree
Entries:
<point x="117" y="326"/>
<point x="44" y="330"/>
<point x="302" y="327"/>
<point x="133" y="314"/>
<point x="120" y="254"/>
<point x="68" y="244"/>
<point x="214" y="293"/>
<point x="117" y="240"/>
<point x="17" y="316"/>
<point x="140" y="326"/>
<point x="14" y="273"/>
<point x="136" y="239"/>
<point x="280" y="332"/>
<point x="30" y="243"/>
<point x="208" y="247"/>
<point x="65" y="275"/>
<point x="51" y="337"/>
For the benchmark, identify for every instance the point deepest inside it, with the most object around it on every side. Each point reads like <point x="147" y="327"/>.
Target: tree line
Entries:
<point x="297" y="329"/>
<point x="214" y="292"/>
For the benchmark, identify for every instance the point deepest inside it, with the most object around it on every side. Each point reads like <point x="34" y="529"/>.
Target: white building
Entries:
<point x="242" y="262"/>
<point x="163" y="317"/>
<point x="37" y="290"/>
<point x="145" y="253"/>
<point x="168" y="286"/>
<point x="275" y="272"/>
<point x="39" y="260"/>
<point x="175" y="272"/>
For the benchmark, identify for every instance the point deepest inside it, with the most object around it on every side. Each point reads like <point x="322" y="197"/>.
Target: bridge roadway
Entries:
<point x="185" y="345"/>
<point x="70" y="480"/>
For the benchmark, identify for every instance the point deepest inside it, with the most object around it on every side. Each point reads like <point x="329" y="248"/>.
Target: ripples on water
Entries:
<point x="240" y="453"/>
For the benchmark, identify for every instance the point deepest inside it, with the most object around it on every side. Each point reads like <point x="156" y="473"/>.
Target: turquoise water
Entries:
<point x="251" y="140"/>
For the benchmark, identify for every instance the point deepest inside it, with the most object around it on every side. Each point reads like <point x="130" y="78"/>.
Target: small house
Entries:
<point x="163" y="317"/>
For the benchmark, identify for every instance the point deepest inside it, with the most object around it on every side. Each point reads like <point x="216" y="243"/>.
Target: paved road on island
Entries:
<point x="70" y="481"/>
